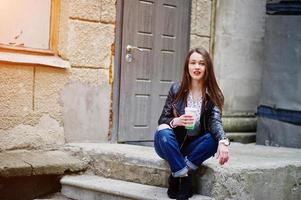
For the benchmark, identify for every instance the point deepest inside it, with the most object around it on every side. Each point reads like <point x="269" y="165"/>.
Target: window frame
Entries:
<point x="41" y="57"/>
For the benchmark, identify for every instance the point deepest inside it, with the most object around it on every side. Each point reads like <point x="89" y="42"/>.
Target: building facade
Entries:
<point x="70" y="91"/>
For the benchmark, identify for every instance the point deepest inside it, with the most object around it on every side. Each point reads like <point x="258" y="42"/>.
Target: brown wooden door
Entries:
<point x="160" y="29"/>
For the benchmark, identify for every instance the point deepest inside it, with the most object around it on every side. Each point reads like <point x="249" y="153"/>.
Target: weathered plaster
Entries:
<point x="21" y="127"/>
<point x="63" y="29"/>
<point x="108" y="11"/>
<point x="88" y="10"/>
<point x="86" y="32"/>
<point x="7" y="122"/>
<point x="200" y="17"/>
<point x="35" y="100"/>
<point x="238" y="52"/>
<point x="200" y="25"/>
<point x="89" y="44"/>
<point x="48" y="83"/>
<point x="47" y="132"/>
<point x="86" y="112"/>
<point x="16" y="92"/>
<point x="197" y="41"/>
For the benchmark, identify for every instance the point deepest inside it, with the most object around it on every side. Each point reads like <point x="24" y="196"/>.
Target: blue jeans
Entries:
<point x="192" y="154"/>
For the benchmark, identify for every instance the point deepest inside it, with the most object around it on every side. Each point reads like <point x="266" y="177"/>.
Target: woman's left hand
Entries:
<point x="222" y="153"/>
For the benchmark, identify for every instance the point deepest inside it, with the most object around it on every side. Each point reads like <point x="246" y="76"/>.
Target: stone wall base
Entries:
<point x="28" y="187"/>
<point x="239" y="123"/>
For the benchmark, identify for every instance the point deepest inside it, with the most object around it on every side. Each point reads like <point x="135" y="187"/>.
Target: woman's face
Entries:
<point x="196" y="66"/>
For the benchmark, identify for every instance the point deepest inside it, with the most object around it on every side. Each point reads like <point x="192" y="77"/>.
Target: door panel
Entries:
<point x="160" y="29"/>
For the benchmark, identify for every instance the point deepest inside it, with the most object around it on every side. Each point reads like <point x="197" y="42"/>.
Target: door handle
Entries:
<point x="130" y="47"/>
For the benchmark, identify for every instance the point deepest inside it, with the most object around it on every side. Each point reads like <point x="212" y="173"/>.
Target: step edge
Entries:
<point x="97" y="188"/>
<point x="71" y="181"/>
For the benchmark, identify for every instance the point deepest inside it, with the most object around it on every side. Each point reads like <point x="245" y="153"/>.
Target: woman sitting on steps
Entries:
<point x="187" y="140"/>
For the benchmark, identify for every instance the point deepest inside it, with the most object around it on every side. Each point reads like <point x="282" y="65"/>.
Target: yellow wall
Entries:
<point x="36" y="108"/>
<point x="44" y="106"/>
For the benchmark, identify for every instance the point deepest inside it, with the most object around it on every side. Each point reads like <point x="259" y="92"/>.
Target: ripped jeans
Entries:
<point x="193" y="154"/>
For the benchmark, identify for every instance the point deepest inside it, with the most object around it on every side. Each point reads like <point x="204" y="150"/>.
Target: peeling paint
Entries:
<point x="111" y="81"/>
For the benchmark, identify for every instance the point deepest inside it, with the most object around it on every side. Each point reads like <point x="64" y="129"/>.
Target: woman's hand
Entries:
<point x="183" y="120"/>
<point x="222" y="153"/>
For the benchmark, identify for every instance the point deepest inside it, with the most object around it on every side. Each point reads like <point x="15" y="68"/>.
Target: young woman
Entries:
<point x="186" y="149"/>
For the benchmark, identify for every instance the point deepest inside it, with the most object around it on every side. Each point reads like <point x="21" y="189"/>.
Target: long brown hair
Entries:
<point x="210" y="83"/>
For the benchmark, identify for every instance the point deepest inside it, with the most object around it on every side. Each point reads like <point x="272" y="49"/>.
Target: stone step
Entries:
<point x="242" y="137"/>
<point x="90" y="187"/>
<point x="253" y="171"/>
<point x="29" y="163"/>
<point x="133" y="163"/>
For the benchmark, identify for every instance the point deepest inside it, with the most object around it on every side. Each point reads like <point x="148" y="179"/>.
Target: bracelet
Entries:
<point x="171" y="124"/>
<point x="225" y="141"/>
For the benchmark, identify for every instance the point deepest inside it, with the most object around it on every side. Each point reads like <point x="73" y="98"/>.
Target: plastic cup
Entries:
<point x="192" y="112"/>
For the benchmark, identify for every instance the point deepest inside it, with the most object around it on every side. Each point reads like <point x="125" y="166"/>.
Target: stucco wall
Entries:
<point x="45" y="106"/>
<point x="41" y="106"/>
<point x="238" y="58"/>
<point x="200" y="26"/>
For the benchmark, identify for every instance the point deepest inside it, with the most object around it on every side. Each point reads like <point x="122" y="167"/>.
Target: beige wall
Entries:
<point x="239" y="60"/>
<point x="200" y="29"/>
<point x="45" y="106"/>
<point x="239" y="39"/>
<point x="41" y="106"/>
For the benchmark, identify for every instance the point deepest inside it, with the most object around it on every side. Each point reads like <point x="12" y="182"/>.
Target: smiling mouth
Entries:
<point x="197" y="73"/>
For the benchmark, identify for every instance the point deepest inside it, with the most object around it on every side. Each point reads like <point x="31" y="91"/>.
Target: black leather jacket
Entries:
<point x="210" y="120"/>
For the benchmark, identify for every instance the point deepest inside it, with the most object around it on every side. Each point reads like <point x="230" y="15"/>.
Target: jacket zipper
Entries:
<point x="202" y="114"/>
<point x="174" y="107"/>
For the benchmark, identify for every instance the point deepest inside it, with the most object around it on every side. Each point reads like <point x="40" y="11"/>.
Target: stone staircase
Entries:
<point x="120" y="171"/>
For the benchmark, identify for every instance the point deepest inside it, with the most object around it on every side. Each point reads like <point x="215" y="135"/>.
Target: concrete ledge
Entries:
<point x="253" y="172"/>
<point x="239" y="123"/>
<point x="243" y="137"/>
<point x="89" y="187"/>
<point x="28" y="163"/>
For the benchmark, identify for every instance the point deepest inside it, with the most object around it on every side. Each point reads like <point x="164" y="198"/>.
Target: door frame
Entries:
<point x="113" y="131"/>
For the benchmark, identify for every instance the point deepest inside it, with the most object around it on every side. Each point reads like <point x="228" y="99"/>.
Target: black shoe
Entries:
<point x="173" y="187"/>
<point x="185" y="191"/>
